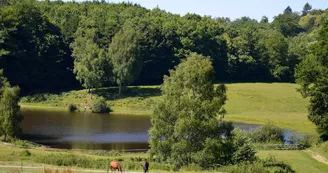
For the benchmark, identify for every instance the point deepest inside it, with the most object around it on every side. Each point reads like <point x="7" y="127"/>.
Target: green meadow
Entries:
<point x="300" y="160"/>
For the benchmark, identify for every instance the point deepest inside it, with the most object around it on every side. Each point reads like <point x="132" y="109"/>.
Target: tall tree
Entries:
<point x="288" y="10"/>
<point x="307" y="7"/>
<point x="89" y="58"/>
<point x="125" y="56"/>
<point x="184" y="126"/>
<point x="312" y="75"/>
<point x="264" y="19"/>
<point x="10" y="116"/>
<point x="277" y="51"/>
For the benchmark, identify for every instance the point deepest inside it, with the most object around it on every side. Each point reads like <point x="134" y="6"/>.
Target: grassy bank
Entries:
<point x="255" y="103"/>
<point x="83" y="160"/>
<point x="300" y="160"/>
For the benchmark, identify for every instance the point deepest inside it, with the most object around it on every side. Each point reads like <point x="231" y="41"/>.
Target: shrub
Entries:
<point x="324" y="146"/>
<point x="24" y="144"/>
<point x="245" y="151"/>
<point x="99" y="105"/>
<point x="304" y="142"/>
<point x="267" y="165"/>
<point x="25" y="153"/>
<point x="72" y="107"/>
<point x="267" y="133"/>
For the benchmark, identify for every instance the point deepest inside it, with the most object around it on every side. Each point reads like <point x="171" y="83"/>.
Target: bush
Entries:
<point x="324" y="146"/>
<point x="24" y="144"/>
<point x="25" y="153"/>
<point x="267" y="133"/>
<point x="245" y="151"/>
<point x="99" y="105"/>
<point x="72" y="107"/>
<point x="267" y="165"/>
<point x="304" y="142"/>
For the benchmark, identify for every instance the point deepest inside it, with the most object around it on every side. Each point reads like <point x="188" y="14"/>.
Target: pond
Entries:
<point x="82" y="130"/>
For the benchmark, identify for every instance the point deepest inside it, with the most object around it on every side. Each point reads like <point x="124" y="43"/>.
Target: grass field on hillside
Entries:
<point x="300" y="160"/>
<point x="255" y="103"/>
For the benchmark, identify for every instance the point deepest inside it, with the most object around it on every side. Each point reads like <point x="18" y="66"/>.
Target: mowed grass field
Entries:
<point x="256" y="103"/>
<point x="300" y="160"/>
<point x="279" y="103"/>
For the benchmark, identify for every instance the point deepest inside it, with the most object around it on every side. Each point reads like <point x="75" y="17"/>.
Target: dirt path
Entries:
<point x="318" y="157"/>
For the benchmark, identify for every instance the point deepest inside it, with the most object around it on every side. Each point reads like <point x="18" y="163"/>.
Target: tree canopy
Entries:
<point x="73" y="42"/>
<point x="184" y="126"/>
<point x="312" y="75"/>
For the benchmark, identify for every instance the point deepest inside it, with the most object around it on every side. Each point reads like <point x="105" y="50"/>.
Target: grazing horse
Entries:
<point x="114" y="165"/>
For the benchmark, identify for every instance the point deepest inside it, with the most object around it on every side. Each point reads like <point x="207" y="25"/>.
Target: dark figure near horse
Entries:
<point x="145" y="166"/>
<point x="114" y="165"/>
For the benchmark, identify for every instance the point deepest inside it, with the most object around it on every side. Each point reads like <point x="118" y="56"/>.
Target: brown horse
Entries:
<point x="114" y="165"/>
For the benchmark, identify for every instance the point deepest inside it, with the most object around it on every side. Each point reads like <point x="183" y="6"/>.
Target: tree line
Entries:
<point x="53" y="45"/>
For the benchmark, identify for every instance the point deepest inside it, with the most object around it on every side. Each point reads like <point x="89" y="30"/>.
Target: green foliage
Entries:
<point x="158" y="41"/>
<point x="24" y="144"/>
<point x="72" y="108"/>
<point x="311" y="74"/>
<point x="184" y="126"/>
<point x="268" y="133"/>
<point x="39" y="58"/>
<point x="268" y="165"/>
<point x="99" y="105"/>
<point x="287" y="24"/>
<point x="324" y="147"/>
<point x="288" y="10"/>
<point x="105" y="153"/>
<point x="25" y="153"/>
<point x="89" y="58"/>
<point x="125" y="56"/>
<point x="10" y="116"/>
<point x="307" y="7"/>
<point x="305" y="142"/>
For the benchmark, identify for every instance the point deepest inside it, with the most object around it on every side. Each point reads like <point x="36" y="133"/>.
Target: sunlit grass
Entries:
<point x="300" y="161"/>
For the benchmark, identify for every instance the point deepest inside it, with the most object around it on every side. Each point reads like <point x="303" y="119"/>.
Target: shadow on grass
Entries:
<point x="112" y="93"/>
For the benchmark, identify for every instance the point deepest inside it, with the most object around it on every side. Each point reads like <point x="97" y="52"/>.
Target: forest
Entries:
<point x="50" y="46"/>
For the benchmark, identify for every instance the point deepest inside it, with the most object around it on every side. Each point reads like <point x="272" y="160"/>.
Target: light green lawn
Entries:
<point x="259" y="103"/>
<point x="255" y="103"/>
<point x="300" y="161"/>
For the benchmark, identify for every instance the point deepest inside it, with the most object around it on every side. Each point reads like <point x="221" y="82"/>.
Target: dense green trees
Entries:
<point x="312" y="75"/>
<point x="33" y="53"/>
<point x="184" y="126"/>
<point x="42" y="43"/>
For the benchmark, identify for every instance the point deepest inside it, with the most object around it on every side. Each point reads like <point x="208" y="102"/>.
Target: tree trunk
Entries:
<point x="5" y="139"/>
<point x="120" y="89"/>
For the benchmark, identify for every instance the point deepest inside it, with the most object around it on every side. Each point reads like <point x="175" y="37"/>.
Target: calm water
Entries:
<point x="80" y="130"/>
